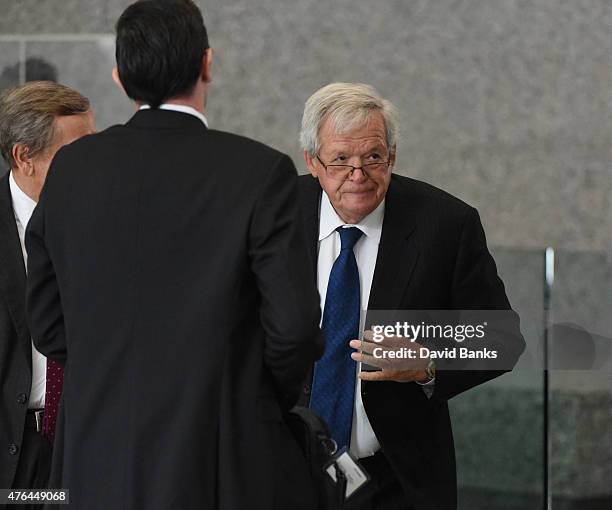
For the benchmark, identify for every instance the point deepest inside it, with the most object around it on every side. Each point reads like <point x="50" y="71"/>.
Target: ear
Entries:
<point x="117" y="80"/>
<point x="207" y="66"/>
<point x="311" y="164"/>
<point x="23" y="162"/>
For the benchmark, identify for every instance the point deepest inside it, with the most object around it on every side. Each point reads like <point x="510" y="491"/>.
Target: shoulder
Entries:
<point x="89" y="145"/>
<point x="255" y="162"/>
<point x="427" y="198"/>
<point x="233" y="146"/>
<point x="308" y="183"/>
<point x="246" y="146"/>
<point x="251" y="160"/>
<point x="309" y="192"/>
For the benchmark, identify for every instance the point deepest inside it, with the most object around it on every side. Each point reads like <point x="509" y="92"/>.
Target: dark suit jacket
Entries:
<point x="165" y="268"/>
<point x="432" y="256"/>
<point x="15" y="341"/>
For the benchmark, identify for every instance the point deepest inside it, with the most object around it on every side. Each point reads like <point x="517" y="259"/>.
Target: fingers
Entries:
<point x="402" y="370"/>
<point x="390" y="352"/>
<point x="388" y="341"/>
<point x="374" y="376"/>
<point x="363" y="346"/>
<point x="361" y="357"/>
<point x="392" y="345"/>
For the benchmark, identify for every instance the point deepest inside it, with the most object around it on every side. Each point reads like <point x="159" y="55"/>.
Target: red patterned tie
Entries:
<point x="53" y="391"/>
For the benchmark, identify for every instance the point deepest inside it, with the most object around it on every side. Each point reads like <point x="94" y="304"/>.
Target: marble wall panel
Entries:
<point x="87" y="66"/>
<point x="35" y="17"/>
<point x="10" y="63"/>
<point x="504" y="103"/>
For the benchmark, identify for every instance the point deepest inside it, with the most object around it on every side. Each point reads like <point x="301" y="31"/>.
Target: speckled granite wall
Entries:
<point x="505" y="103"/>
<point x="9" y="72"/>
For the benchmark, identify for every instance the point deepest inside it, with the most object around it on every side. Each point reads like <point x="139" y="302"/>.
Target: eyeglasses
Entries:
<point x="343" y="172"/>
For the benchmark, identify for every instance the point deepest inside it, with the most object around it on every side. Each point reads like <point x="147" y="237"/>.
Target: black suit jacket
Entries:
<point x="432" y="256"/>
<point x="164" y="267"/>
<point x="15" y="341"/>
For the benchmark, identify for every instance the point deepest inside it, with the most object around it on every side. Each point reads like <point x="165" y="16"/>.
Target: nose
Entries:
<point x="358" y="175"/>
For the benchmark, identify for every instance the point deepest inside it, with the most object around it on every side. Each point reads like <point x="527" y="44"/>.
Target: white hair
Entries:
<point x="348" y="106"/>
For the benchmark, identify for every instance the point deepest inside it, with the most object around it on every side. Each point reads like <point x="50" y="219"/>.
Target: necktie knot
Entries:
<point x="348" y="237"/>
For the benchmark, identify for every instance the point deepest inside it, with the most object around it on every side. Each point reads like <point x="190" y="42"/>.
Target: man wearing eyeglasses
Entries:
<point x="381" y="241"/>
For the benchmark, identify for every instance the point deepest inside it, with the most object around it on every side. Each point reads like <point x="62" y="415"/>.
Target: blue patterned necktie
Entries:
<point x="333" y="386"/>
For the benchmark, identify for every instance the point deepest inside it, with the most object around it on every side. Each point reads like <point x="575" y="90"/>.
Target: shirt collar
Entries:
<point x="329" y="221"/>
<point x="23" y="205"/>
<point x="179" y="108"/>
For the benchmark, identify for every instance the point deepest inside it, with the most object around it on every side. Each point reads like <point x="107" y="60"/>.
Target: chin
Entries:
<point x="361" y="209"/>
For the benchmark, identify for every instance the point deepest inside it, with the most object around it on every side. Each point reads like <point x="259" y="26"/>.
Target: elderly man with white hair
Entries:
<point x="380" y="241"/>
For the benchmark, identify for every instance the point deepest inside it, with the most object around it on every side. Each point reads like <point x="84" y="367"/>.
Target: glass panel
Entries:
<point x="581" y="381"/>
<point x="498" y="426"/>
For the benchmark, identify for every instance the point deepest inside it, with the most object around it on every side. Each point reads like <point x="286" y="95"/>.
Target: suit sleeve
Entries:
<point x="290" y="312"/>
<point x="44" y="308"/>
<point x="477" y="286"/>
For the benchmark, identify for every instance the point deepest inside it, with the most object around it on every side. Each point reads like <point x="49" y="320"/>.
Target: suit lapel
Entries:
<point x="397" y="253"/>
<point x="12" y="267"/>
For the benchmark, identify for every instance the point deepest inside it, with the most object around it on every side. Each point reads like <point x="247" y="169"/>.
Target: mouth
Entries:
<point x="359" y="191"/>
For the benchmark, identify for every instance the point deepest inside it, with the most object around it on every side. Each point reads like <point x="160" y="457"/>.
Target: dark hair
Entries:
<point x="160" y="45"/>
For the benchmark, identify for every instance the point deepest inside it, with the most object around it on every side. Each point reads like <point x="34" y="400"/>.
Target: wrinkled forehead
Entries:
<point x="359" y="132"/>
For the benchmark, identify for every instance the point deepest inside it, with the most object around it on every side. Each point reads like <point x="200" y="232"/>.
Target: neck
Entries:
<point x="26" y="185"/>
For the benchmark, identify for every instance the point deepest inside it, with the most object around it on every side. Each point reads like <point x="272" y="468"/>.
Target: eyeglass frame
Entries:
<point x="353" y="168"/>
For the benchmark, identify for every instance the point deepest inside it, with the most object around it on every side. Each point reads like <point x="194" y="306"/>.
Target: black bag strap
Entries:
<point x="312" y="433"/>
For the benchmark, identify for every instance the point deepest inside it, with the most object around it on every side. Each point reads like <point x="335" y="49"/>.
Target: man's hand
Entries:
<point x="400" y="359"/>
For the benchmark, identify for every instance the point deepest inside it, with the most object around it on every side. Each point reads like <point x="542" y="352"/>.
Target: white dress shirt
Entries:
<point x="363" y="439"/>
<point x="23" y="207"/>
<point x="179" y="108"/>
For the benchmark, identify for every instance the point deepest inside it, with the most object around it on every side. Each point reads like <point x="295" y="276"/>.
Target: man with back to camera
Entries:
<point x="380" y="241"/>
<point x="165" y="271"/>
<point x="36" y="119"/>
